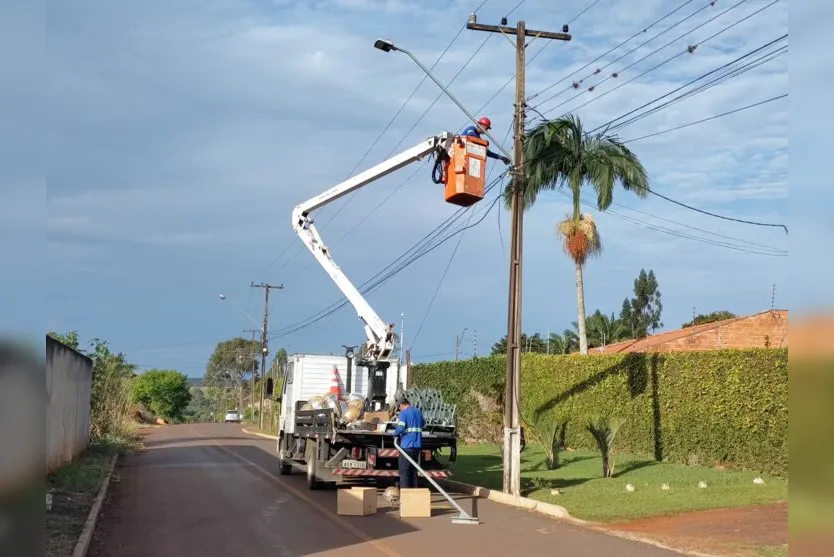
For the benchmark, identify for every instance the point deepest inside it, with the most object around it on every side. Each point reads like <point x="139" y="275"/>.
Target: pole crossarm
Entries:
<point x="514" y="31"/>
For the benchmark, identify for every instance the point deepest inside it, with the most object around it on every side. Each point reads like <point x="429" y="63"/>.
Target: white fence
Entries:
<point x="69" y="376"/>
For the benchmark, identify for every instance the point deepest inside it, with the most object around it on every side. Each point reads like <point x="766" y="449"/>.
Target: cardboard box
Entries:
<point x="376" y="417"/>
<point x="356" y="501"/>
<point x="415" y="503"/>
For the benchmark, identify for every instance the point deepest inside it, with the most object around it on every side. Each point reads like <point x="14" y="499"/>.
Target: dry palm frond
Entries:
<point x="581" y="238"/>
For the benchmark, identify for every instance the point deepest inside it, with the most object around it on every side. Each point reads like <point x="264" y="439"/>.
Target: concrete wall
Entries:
<point x="69" y="376"/>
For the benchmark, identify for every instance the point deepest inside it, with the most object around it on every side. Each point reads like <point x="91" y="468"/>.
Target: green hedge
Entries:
<point x="728" y="406"/>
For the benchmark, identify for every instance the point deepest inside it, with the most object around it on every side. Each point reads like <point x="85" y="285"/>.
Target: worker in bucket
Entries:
<point x="410" y="432"/>
<point x="484" y="124"/>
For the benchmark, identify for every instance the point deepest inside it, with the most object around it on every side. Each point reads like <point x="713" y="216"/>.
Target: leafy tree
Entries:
<point x="200" y="408"/>
<point x="279" y="361"/>
<point x="69" y="339"/>
<point x="532" y="343"/>
<point x="560" y="153"/>
<point x="164" y="391"/>
<point x="712" y="317"/>
<point x="641" y="313"/>
<point x="233" y="363"/>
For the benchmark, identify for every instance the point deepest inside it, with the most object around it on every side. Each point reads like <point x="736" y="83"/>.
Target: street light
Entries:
<point x="387" y="46"/>
<point x="458" y="340"/>
<point x="224" y="297"/>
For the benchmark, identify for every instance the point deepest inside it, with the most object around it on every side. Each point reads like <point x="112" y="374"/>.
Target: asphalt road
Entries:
<point x="212" y="490"/>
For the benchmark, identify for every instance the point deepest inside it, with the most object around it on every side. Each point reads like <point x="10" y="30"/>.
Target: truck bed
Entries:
<point x="323" y="424"/>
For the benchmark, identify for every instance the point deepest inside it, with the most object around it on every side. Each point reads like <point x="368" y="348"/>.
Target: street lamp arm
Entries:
<point x="388" y="46"/>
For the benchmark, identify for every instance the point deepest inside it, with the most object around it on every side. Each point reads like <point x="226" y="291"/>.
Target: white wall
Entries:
<point x="69" y="376"/>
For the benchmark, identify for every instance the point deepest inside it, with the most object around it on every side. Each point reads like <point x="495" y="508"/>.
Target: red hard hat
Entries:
<point x="485" y="122"/>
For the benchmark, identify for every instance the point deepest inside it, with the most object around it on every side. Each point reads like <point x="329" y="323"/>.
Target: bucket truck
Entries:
<point x="341" y="439"/>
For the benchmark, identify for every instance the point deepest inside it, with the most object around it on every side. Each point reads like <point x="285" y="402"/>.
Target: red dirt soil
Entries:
<point x="727" y="532"/>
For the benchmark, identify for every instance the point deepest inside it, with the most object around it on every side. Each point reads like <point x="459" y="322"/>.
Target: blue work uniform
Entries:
<point x="410" y="431"/>
<point x="472" y="131"/>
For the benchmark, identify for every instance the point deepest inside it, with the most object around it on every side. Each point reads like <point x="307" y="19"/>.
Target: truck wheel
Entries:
<point x="312" y="459"/>
<point x="284" y="468"/>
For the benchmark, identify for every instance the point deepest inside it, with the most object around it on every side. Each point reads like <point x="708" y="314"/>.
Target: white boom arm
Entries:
<point x="379" y="336"/>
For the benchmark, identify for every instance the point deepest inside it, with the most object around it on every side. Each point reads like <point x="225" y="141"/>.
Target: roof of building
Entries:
<point x="656" y="340"/>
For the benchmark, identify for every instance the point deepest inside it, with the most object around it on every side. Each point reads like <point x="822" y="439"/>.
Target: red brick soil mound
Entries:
<point x="731" y="532"/>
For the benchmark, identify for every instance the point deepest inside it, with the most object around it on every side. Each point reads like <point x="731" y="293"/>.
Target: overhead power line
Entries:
<point x="688" y="50"/>
<point x="427" y="244"/>
<point x="702" y="120"/>
<point x="603" y="55"/>
<point x="715" y="215"/>
<point x="736" y="244"/>
<point x="721" y="74"/>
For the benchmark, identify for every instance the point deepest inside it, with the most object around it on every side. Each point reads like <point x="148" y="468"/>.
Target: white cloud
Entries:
<point x="193" y="129"/>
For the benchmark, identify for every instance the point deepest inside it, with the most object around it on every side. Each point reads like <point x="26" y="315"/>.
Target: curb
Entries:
<point x="549" y="509"/>
<point x="259" y="434"/>
<point x="82" y="546"/>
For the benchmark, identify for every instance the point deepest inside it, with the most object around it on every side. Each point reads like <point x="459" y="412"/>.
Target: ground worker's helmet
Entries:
<point x="485" y="122"/>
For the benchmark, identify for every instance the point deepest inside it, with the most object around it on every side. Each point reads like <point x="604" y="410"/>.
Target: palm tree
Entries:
<point x="565" y="343"/>
<point x="559" y="153"/>
<point x="604" y="329"/>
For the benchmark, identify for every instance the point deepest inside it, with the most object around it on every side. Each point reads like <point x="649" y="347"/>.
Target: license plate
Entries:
<point x="355" y="464"/>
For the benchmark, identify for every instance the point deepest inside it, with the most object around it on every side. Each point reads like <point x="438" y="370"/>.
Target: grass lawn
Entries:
<point x="774" y="551"/>
<point x="586" y="495"/>
<point x="74" y="489"/>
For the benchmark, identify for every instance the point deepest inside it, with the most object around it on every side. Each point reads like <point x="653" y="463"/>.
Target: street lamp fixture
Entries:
<point x="384" y="45"/>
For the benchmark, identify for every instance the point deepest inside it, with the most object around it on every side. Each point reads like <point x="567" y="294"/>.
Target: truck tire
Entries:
<point x="284" y="467"/>
<point x="312" y="460"/>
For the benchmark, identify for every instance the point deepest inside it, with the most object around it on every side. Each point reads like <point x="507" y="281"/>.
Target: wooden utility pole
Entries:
<point x="250" y="360"/>
<point x="264" y="344"/>
<point x="512" y="431"/>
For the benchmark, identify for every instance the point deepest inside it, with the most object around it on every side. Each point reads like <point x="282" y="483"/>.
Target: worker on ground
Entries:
<point x="483" y="125"/>
<point x="410" y="431"/>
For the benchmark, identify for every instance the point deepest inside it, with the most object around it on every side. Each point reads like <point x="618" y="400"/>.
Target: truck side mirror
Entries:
<point x="270" y="387"/>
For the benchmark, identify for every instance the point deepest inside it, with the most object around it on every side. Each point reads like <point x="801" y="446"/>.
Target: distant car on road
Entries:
<point x="232" y="416"/>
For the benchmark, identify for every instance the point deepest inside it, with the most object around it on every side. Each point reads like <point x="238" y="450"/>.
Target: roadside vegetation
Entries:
<point x="115" y="423"/>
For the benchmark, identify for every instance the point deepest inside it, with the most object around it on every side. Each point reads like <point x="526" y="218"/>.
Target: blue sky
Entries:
<point x="182" y="132"/>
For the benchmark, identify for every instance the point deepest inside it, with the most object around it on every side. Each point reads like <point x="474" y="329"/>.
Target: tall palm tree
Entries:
<point x="561" y="154"/>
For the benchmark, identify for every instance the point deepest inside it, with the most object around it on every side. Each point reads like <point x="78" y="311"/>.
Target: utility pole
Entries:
<point x="252" y="375"/>
<point x="512" y="431"/>
<point x="264" y="344"/>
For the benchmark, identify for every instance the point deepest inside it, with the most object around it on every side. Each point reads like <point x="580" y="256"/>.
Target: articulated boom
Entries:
<point x="379" y="335"/>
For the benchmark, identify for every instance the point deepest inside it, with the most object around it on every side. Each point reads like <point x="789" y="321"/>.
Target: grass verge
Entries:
<point x="74" y="488"/>
<point x="588" y="496"/>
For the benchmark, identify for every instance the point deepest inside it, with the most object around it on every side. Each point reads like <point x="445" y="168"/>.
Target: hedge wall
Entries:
<point x="728" y="406"/>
